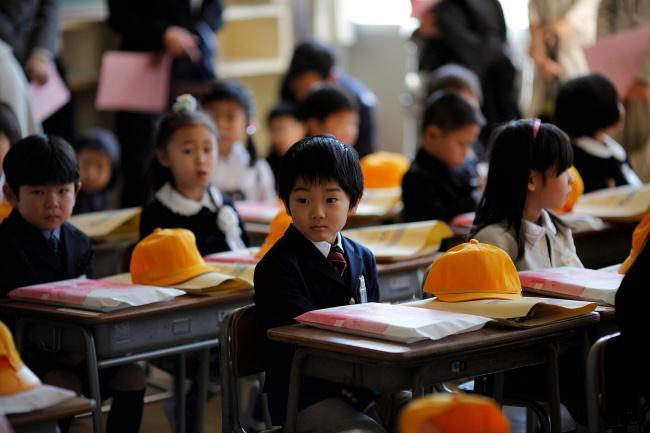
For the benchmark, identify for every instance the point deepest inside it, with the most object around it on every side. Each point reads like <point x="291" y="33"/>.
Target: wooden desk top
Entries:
<point x="405" y="265"/>
<point x="65" y="409"/>
<point x="87" y="317"/>
<point x="387" y="351"/>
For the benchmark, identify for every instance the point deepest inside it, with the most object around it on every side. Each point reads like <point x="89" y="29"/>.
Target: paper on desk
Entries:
<point x="623" y="203"/>
<point x="526" y="312"/>
<point x="573" y="283"/>
<point x="49" y="97"/>
<point x="204" y="284"/>
<point x="257" y="212"/>
<point x="99" y="295"/>
<point x="620" y="56"/>
<point x="247" y="255"/>
<point x="134" y="81"/>
<point x="40" y="397"/>
<point x="392" y="322"/>
<point x="245" y="271"/>
<point x="109" y="224"/>
<point x="380" y="201"/>
<point x="401" y="241"/>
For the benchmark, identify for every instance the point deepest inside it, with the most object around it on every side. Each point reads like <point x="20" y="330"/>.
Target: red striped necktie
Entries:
<point x="337" y="259"/>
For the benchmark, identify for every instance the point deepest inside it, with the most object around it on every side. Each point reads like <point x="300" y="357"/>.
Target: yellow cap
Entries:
<point x="473" y="271"/>
<point x="577" y="189"/>
<point x="384" y="169"/>
<point x="15" y="376"/>
<point x="167" y="257"/>
<point x="453" y="413"/>
<point x="279" y="225"/>
<point x="5" y="210"/>
<point x="639" y="239"/>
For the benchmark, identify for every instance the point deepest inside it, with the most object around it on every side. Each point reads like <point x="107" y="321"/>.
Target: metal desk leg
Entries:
<point x="294" y="391"/>
<point x="93" y="378"/>
<point x="179" y="393"/>
<point x="553" y="388"/>
<point x="203" y="378"/>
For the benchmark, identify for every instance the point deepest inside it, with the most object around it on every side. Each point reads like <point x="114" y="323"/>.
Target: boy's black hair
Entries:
<point x="40" y="159"/>
<point x="449" y="111"/>
<point x="231" y="90"/>
<point x="282" y="109"/>
<point x="585" y="105"/>
<point x="9" y="125"/>
<point x="514" y="152"/>
<point x="455" y="78"/>
<point x="325" y="100"/>
<point x="169" y="124"/>
<point x="319" y="159"/>
<point x="311" y="56"/>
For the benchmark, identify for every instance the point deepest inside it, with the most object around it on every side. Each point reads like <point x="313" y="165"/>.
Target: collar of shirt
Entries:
<point x="608" y="148"/>
<point x="2" y="182"/>
<point x="324" y="246"/>
<point x="56" y="232"/>
<point x="182" y="205"/>
<point x="534" y="231"/>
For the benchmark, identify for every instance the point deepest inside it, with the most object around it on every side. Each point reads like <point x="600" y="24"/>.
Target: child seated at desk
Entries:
<point x="529" y="162"/>
<point x="285" y="128"/>
<point x="328" y="109"/>
<point x="441" y="182"/>
<point x="186" y="155"/>
<point x="39" y="246"/>
<point x="313" y="266"/>
<point x="9" y="134"/>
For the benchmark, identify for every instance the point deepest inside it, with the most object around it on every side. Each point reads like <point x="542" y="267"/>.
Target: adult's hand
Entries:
<point x="37" y="68"/>
<point x="179" y="42"/>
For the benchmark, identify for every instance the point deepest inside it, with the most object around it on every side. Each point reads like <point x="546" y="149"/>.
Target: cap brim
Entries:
<point x="179" y="277"/>
<point x="473" y="296"/>
<point x="214" y="280"/>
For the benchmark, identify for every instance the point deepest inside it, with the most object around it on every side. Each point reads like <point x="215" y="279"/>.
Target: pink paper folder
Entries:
<point x="49" y="97"/>
<point x="246" y="256"/>
<point x="98" y="295"/>
<point x="134" y="81"/>
<point x="392" y="322"/>
<point x="257" y="212"/>
<point x="573" y="283"/>
<point x="620" y="56"/>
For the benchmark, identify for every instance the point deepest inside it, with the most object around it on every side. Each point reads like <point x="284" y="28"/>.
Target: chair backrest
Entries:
<point x="241" y="339"/>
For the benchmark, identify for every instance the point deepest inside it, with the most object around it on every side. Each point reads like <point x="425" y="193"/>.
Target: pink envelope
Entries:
<point x="49" y="97"/>
<point x="134" y="81"/>
<point x="620" y="56"/>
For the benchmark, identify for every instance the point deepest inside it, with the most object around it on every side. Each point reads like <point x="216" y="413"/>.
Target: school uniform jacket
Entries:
<point x="292" y="278"/>
<point x="430" y="190"/>
<point x="27" y="258"/>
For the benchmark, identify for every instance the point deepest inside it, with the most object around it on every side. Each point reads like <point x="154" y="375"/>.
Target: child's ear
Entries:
<point x="163" y="158"/>
<point x="9" y="195"/>
<point x="432" y="133"/>
<point x="353" y="209"/>
<point x="77" y="188"/>
<point x="532" y="181"/>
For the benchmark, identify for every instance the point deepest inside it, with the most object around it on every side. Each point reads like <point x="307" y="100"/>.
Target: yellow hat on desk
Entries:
<point x="167" y="257"/>
<point x="384" y="169"/>
<point x="472" y="271"/>
<point x="577" y="189"/>
<point x="279" y="225"/>
<point x="15" y="376"/>
<point x="453" y="413"/>
<point x="639" y="239"/>
<point x="5" y="209"/>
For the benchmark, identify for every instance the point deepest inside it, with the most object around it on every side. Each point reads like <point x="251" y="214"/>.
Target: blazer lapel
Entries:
<point x="312" y="259"/>
<point x="35" y="244"/>
<point x="355" y="266"/>
<point x="69" y="250"/>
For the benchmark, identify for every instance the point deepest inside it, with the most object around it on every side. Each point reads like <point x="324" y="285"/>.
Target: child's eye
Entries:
<point x="301" y="200"/>
<point x="187" y="151"/>
<point x="37" y="192"/>
<point x="64" y="190"/>
<point x="332" y="200"/>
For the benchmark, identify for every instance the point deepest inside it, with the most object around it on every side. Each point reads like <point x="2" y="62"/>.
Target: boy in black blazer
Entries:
<point x="311" y="267"/>
<point x="39" y="246"/>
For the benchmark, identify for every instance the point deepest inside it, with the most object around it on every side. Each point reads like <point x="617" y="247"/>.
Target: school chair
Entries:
<point x="240" y="339"/>
<point x="613" y="401"/>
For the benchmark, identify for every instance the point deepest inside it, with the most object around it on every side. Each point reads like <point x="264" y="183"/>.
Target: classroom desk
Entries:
<point x="389" y="367"/>
<point x="112" y="257"/>
<point x="45" y="420"/>
<point x="604" y="247"/>
<point x="402" y="281"/>
<point x="185" y="324"/>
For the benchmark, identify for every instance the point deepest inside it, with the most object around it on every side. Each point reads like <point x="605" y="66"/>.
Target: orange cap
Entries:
<point x="639" y="238"/>
<point x="473" y="271"/>
<point x="384" y="169"/>
<point x="577" y="188"/>
<point x="15" y="376"/>
<point x="5" y="209"/>
<point x="167" y="257"/>
<point x="279" y="225"/>
<point x="453" y="413"/>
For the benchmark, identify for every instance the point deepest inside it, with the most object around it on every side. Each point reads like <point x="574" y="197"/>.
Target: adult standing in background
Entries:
<point x="616" y="16"/>
<point x="182" y="28"/>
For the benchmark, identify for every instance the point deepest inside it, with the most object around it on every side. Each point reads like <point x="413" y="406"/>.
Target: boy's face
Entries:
<point x="344" y="125"/>
<point x="285" y="132"/>
<point x="450" y="147"/>
<point x="319" y="210"/>
<point x="95" y="170"/>
<point x="302" y="84"/>
<point x="4" y="148"/>
<point x="44" y="206"/>
<point x="231" y="122"/>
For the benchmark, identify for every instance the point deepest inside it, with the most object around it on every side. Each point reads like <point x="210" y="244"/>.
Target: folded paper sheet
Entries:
<point x="110" y="224"/>
<point x="98" y="295"/>
<point x="254" y="212"/>
<point x="380" y="201"/>
<point x="41" y="397"/>
<point x="210" y="283"/>
<point x="623" y="203"/>
<point x="573" y="283"/>
<point x="49" y="97"/>
<point x="392" y="322"/>
<point x="526" y="312"/>
<point x="247" y="256"/>
<point x="401" y="241"/>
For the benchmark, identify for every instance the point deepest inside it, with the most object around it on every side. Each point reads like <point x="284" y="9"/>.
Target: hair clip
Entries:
<point x="185" y="103"/>
<point x="537" y="123"/>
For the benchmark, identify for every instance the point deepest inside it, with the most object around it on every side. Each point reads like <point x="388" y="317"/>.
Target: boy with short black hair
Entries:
<point x="311" y="267"/>
<point x="285" y="128"/>
<point x="441" y="183"/>
<point x="330" y="110"/>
